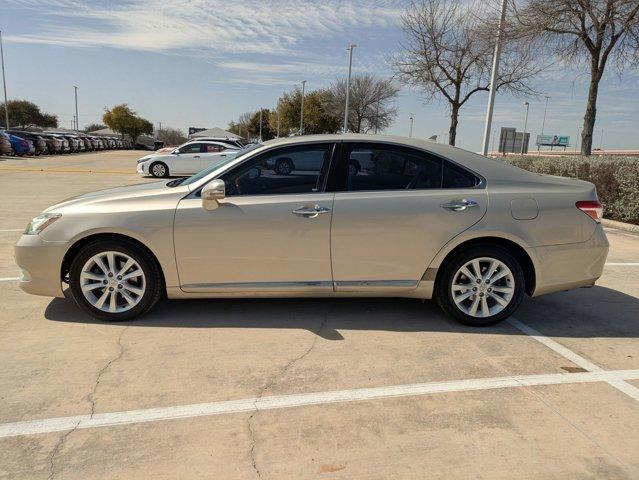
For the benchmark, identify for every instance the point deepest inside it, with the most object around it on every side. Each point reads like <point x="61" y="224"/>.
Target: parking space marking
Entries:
<point x="3" y="230"/>
<point x="9" y="279"/>
<point x="65" y="170"/>
<point x="50" y="425"/>
<point x="621" y="264"/>
<point x="575" y="358"/>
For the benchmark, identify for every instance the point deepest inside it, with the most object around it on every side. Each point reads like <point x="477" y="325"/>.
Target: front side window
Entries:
<point x="287" y="170"/>
<point x="372" y="167"/>
<point x="191" y="148"/>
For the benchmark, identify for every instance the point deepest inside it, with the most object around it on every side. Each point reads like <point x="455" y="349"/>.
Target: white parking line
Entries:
<point x="9" y="279"/>
<point x="621" y="264"/>
<point x="2" y="230"/>
<point x="575" y="358"/>
<point x="49" y="425"/>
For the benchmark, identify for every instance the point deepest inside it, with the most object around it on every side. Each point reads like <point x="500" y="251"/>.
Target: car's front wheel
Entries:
<point x="481" y="286"/>
<point x="115" y="280"/>
<point x="159" y="169"/>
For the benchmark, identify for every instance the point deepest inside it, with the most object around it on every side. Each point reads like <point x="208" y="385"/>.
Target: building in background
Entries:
<point x="510" y="140"/>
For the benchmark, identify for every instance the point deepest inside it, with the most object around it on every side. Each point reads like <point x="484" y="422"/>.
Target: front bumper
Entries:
<point x="140" y="168"/>
<point x="40" y="265"/>
<point x="573" y="265"/>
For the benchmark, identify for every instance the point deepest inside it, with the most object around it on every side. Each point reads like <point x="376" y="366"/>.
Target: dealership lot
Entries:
<point x="309" y="388"/>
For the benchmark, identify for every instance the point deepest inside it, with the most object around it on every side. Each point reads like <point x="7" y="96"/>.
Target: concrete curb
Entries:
<point x="628" y="227"/>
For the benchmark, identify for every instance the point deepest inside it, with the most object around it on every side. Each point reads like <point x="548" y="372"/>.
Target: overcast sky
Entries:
<point x="204" y="62"/>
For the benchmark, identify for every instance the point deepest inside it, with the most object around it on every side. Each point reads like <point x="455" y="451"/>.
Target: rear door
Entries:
<point x="399" y="206"/>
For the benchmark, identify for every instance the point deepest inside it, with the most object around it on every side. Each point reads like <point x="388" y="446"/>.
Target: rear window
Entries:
<point x="457" y="177"/>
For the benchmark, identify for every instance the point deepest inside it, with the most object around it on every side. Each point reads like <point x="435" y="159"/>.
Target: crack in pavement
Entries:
<point x="63" y="438"/>
<point x="269" y="384"/>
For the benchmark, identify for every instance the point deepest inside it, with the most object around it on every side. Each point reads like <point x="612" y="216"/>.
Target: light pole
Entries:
<point x="523" y="137"/>
<point x="77" y="119"/>
<point x="260" y="124"/>
<point x="348" y="84"/>
<point x="377" y="116"/>
<point x="543" y="123"/>
<point x="302" y="109"/>
<point x="410" y="129"/>
<point x="493" y="79"/>
<point x="278" y="119"/>
<point x="601" y="140"/>
<point x="4" y="84"/>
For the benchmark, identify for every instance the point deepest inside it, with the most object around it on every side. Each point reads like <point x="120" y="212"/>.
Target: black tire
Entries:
<point x="284" y="166"/>
<point x="443" y="294"/>
<point x="152" y="273"/>
<point x="162" y="170"/>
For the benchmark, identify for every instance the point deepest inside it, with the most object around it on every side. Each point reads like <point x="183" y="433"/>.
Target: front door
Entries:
<point x="399" y="209"/>
<point x="188" y="161"/>
<point x="270" y="234"/>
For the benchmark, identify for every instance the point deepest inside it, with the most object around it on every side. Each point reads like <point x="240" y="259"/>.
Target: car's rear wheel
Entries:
<point x="481" y="286"/>
<point x="115" y="280"/>
<point x="159" y="169"/>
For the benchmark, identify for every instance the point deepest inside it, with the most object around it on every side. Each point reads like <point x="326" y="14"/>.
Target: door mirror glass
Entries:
<point x="175" y="152"/>
<point x="211" y="193"/>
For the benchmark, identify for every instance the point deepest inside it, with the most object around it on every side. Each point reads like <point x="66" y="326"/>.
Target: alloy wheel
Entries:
<point x="483" y="287"/>
<point x="159" y="170"/>
<point x="112" y="282"/>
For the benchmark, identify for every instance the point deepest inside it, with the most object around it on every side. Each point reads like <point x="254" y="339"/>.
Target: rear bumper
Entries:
<point x="574" y="265"/>
<point x="40" y="263"/>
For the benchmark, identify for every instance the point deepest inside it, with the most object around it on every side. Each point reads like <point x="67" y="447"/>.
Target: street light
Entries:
<point x="302" y="109"/>
<point x="410" y="129"/>
<point x="348" y="84"/>
<point x="543" y="124"/>
<point x="493" y="79"/>
<point x="523" y="138"/>
<point x="260" y="124"/>
<point x="4" y="84"/>
<point x="77" y="119"/>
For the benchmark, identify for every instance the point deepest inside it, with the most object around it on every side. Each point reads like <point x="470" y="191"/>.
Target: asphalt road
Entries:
<point x="309" y="388"/>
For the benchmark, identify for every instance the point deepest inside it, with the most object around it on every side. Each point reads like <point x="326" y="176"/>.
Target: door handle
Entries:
<point x="196" y="156"/>
<point x="459" y="205"/>
<point x="310" y="211"/>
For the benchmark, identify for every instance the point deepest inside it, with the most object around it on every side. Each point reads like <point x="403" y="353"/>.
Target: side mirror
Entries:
<point x="175" y="152"/>
<point x="211" y="193"/>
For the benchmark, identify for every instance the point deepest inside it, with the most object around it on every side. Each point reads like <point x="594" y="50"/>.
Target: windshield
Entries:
<point x="203" y="173"/>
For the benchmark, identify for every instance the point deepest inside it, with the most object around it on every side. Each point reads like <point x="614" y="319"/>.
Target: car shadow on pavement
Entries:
<point x="596" y="312"/>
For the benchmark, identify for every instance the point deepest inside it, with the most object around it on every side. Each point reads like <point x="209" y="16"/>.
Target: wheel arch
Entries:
<point x="81" y="242"/>
<point x="512" y="247"/>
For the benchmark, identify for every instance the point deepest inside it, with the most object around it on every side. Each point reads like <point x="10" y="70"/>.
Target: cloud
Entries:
<point x="215" y="26"/>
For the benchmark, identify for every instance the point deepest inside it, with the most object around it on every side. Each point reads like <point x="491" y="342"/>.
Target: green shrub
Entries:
<point x="616" y="179"/>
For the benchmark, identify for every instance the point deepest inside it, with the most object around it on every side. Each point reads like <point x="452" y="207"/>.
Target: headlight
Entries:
<point x="41" y="222"/>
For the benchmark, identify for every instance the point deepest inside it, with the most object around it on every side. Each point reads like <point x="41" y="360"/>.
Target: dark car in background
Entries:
<point x="19" y="145"/>
<point x="39" y="143"/>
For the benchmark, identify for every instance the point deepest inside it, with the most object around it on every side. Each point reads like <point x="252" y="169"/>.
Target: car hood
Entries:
<point x="116" y="193"/>
<point x="155" y="156"/>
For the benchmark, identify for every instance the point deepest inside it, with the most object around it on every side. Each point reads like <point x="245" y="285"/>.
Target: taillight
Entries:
<point x="592" y="208"/>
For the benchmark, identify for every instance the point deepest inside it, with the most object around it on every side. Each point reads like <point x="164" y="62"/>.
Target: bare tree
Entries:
<point x="447" y="53"/>
<point x="589" y="32"/>
<point x="170" y="136"/>
<point x="371" y="102"/>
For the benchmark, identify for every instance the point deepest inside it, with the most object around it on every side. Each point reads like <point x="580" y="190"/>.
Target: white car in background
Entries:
<point x="187" y="159"/>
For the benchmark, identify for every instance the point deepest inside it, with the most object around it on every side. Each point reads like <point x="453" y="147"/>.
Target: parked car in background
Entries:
<point x="40" y="145"/>
<point x="54" y="145"/>
<point x="420" y="220"/>
<point x="186" y="159"/>
<point x="5" y="144"/>
<point x="20" y="146"/>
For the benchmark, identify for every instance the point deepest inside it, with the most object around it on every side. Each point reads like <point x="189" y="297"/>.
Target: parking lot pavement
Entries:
<point x="311" y="388"/>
